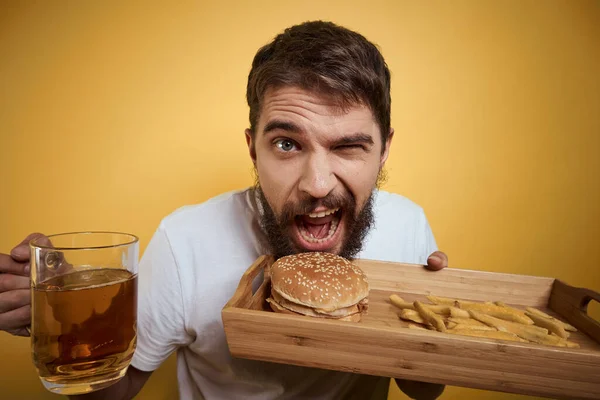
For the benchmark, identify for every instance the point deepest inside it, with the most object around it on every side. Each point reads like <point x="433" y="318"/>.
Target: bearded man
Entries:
<point x="319" y="137"/>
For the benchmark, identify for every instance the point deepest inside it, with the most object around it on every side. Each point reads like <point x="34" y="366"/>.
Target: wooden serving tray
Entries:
<point x="381" y="344"/>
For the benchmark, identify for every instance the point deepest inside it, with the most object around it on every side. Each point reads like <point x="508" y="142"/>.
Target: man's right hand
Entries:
<point x="15" y="315"/>
<point x="15" y="296"/>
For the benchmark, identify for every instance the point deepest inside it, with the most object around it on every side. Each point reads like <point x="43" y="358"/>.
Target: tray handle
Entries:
<point x="571" y="303"/>
<point x="243" y="294"/>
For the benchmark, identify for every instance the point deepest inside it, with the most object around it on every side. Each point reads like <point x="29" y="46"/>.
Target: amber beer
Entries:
<point x="84" y="325"/>
<point x="83" y="313"/>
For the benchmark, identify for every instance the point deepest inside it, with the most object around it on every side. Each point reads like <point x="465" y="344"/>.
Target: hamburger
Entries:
<point x="320" y="285"/>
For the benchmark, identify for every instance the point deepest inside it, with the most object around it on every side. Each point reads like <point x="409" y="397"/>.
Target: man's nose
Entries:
<point x="318" y="178"/>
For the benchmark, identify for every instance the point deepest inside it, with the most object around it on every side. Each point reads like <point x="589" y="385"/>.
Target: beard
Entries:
<point x="276" y="227"/>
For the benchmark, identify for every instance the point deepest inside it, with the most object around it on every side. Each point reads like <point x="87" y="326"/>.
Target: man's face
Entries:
<point x="317" y="167"/>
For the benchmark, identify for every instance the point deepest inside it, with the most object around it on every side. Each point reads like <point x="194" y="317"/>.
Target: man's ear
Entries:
<point x="250" y="143"/>
<point x="386" y="149"/>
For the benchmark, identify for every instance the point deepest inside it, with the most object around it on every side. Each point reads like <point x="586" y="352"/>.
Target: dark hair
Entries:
<point x="326" y="58"/>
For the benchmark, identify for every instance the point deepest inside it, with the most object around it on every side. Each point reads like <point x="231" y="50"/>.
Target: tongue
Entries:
<point x="318" y="231"/>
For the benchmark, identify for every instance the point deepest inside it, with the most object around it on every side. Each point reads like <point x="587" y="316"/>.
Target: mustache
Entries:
<point x="308" y="204"/>
<point x="275" y="227"/>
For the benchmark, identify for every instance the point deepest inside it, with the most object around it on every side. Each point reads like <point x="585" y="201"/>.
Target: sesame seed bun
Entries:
<point x="356" y="317"/>
<point x="318" y="285"/>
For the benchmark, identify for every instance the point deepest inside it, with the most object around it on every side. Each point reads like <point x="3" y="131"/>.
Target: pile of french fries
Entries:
<point x="485" y="319"/>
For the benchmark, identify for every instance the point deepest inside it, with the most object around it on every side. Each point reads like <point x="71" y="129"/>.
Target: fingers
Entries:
<point x="16" y="319"/>
<point x="21" y="252"/>
<point x="19" y="332"/>
<point x="9" y="282"/>
<point x="15" y="307"/>
<point x="17" y="262"/>
<point x="437" y="260"/>
<point x="14" y="299"/>
<point x="10" y="266"/>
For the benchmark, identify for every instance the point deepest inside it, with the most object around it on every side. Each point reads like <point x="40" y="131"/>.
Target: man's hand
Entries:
<point x="437" y="260"/>
<point x="15" y="314"/>
<point x="15" y="296"/>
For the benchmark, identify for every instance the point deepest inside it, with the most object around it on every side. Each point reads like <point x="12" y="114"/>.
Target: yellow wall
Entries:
<point x="111" y="116"/>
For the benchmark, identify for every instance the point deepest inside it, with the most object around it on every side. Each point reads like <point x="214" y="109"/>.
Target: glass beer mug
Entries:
<point x="83" y="309"/>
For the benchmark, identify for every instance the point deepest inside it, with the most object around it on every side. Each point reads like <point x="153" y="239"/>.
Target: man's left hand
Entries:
<point x="437" y="260"/>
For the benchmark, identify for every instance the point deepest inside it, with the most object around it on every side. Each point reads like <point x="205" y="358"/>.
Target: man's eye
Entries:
<point x="285" y="144"/>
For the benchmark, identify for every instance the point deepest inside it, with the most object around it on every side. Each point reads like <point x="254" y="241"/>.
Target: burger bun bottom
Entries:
<point x="278" y="308"/>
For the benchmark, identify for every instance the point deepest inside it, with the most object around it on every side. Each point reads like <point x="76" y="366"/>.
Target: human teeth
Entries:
<point x="322" y="214"/>
<point x="309" y="237"/>
<point x="333" y="227"/>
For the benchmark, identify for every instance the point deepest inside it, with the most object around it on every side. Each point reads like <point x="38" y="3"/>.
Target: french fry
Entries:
<point x="487" y="334"/>
<point x="400" y="303"/>
<point x="549" y="324"/>
<point x="523" y="331"/>
<point x="539" y="329"/>
<point x="552" y="340"/>
<point x="504" y="305"/>
<point x="446" y="310"/>
<point x="456" y="312"/>
<point x="440" y="300"/>
<point x="534" y="310"/>
<point x="485" y="319"/>
<point x="473" y="327"/>
<point x="412" y="315"/>
<point x="466" y="321"/>
<point x="566" y="343"/>
<point x="441" y="309"/>
<point x="566" y="326"/>
<point x="505" y="313"/>
<point x="429" y="316"/>
<point x="531" y="328"/>
<point x="446" y="300"/>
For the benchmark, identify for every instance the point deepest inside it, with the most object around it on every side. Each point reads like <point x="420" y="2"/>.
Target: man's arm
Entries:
<point x="160" y="322"/>
<point x="125" y="389"/>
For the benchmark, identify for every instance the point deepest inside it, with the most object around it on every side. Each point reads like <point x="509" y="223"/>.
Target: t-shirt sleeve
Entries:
<point x="161" y="312"/>
<point x="425" y="239"/>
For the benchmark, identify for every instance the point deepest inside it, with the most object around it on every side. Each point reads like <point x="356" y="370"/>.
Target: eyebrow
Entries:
<point x="281" y="125"/>
<point x="287" y="126"/>
<point x="355" y="139"/>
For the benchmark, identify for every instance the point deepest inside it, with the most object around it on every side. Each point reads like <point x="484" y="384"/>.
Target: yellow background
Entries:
<point x="112" y="115"/>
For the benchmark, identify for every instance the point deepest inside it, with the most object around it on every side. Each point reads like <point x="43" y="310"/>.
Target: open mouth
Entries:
<point x="319" y="230"/>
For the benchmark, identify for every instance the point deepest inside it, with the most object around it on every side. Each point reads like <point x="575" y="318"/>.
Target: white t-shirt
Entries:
<point x="192" y="267"/>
